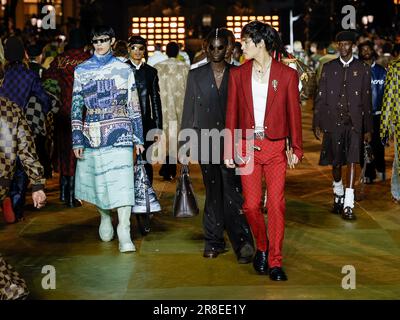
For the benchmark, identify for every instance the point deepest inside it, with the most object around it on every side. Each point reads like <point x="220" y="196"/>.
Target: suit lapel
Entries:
<point x="273" y="84"/>
<point x="248" y="91"/>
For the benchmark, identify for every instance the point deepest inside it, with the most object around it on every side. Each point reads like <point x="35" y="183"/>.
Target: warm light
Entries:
<point x="181" y="25"/>
<point x="275" y="23"/>
<point x="143" y="19"/>
<point x="181" y="36"/>
<point x="370" y="18"/>
<point x="166" y="25"/>
<point x="158" y="25"/>
<point x="150" y="42"/>
<point x="135" y="31"/>
<point x="39" y="23"/>
<point x="150" y="48"/>
<point x="150" y="31"/>
<point x="34" y="21"/>
<point x="158" y="31"/>
<point x="135" y="19"/>
<point x="181" y="30"/>
<point x="150" y="36"/>
<point x="229" y="24"/>
<point x="135" y="25"/>
<point x="238" y="29"/>
<point x="237" y="36"/>
<point x="143" y="25"/>
<point x="245" y="18"/>
<point x="181" y="19"/>
<point x="267" y="17"/>
<point x="276" y="28"/>
<point x="158" y="19"/>
<point x="158" y="36"/>
<point x="174" y="25"/>
<point x="237" y="18"/>
<point x="238" y="23"/>
<point x="167" y="30"/>
<point x="229" y="18"/>
<point x="165" y="42"/>
<point x="275" y="17"/>
<point x="260" y="18"/>
<point x="174" y="19"/>
<point x="252" y="18"/>
<point x="165" y="18"/>
<point x="173" y="30"/>
<point x="364" y="20"/>
<point x="150" y="25"/>
<point x="150" y="19"/>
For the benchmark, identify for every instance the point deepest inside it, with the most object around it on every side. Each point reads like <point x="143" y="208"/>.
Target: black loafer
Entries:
<point x="213" y="253"/>
<point x="260" y="262"/>
<point x="277" y="274"/>
<point x="246" y="254"/>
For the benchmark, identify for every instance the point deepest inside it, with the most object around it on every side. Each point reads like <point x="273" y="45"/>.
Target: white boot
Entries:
<point x="106" y="230"/>
<point x="124" y="230"/>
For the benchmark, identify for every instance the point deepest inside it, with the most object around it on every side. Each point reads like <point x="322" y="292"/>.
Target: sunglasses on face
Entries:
<point x="141" y="48"/>
<point x="98" y="41"/>
<point x="218" y="48"/>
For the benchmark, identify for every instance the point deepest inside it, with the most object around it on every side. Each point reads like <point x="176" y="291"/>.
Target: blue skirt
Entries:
<point x="105" y="177"/>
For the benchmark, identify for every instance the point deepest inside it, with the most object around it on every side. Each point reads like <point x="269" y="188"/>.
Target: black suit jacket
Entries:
<point x="146" y="79"/>
<point x="358" y="94"/>
<point x="204" y="108"/>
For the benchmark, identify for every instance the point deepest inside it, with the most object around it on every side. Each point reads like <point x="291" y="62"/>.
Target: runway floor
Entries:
<point x="168" y="263"/>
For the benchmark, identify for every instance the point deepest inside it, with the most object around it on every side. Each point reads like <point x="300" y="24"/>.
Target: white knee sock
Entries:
<point x="124" y="229"/>
<point x="338" y="188"/>
<point x="349" y="198"/>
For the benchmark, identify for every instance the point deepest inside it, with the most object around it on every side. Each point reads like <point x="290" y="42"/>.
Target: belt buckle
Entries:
<point x="259" y="135"/>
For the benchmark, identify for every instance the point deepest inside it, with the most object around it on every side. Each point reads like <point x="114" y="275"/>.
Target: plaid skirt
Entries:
<point x="341" y="147"/>
<point x="105" y="177"/>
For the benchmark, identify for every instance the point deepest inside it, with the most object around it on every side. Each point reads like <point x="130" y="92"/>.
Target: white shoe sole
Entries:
<point x="128" y="247"/>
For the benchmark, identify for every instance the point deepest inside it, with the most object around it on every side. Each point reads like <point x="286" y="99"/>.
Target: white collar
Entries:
<point x="346" y="64"/>
<point x="137" y="66"/>
<point x="373" y="64"/>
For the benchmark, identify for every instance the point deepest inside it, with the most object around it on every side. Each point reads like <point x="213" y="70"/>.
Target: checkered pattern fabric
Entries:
<point x="35" y="116"/>
<point x="390" y="118"/>
<point x="20" y="84"/>
<point x="12" y="286"/>
<point x="16" y="140"/>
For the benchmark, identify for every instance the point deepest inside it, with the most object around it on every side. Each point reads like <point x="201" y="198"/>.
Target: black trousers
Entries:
<point x="378" y="150"/>
<point x="223" y="209"/>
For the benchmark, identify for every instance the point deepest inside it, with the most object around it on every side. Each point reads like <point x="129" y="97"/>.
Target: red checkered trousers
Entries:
<point x="270" y="161"/>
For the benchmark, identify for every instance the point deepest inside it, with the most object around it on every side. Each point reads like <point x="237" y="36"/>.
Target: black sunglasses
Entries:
<point x="219" y="47"/>
<point x="141" y="48"/>
<point x="97" y="41"/>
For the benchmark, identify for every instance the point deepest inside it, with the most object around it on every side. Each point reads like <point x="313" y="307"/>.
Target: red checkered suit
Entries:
<point x="282" y="119"/>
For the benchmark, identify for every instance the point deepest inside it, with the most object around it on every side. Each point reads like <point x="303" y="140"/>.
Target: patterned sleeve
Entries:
<point x="387" y="105"/>
<point x="77" y="113"/>
<point x="27" y="154"/>
<point x="133" y="108"/>
<point x="39" y="92"/>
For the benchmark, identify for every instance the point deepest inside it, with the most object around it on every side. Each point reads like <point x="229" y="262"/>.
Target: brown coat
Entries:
<point x="16" y="140"/>
<point x="358" y="96"/>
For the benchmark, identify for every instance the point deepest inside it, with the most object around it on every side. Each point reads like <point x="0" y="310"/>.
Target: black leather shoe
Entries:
<point x="246" y="254"/>
<point x="260" y="262"/>
<point x="213" y="253"/>
<point x="348" y="214"/>
<point x="338" y="202"/>
<point x="277" y="274"/>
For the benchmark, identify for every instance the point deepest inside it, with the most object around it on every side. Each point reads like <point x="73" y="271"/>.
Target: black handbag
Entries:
<point x="145" y="198"/>
<point x="185" y="202"/>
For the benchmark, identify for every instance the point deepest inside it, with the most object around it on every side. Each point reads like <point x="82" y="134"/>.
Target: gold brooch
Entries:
<point x="275" y="84"/>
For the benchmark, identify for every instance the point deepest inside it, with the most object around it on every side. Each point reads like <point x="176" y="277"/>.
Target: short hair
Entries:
<point x="120" y="48"/>
<point x="157" y="46"/>
<point x="172" y="49"/>
<point x="257" y="31"/>
<point x="137" y="40"/>
<point x="368" y="44"/>
<point x="102" y="31"/>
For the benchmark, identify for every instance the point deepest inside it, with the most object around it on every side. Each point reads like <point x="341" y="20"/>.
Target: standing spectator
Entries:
<point x="173" y="74"/>
<point x="157" y="56"/>
<point x="120" y="50"/>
